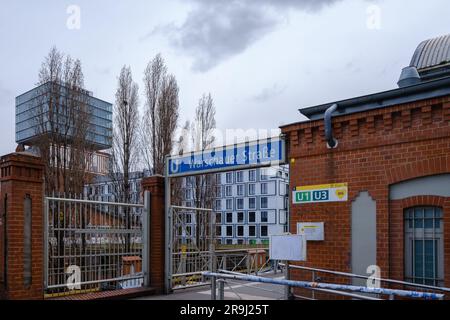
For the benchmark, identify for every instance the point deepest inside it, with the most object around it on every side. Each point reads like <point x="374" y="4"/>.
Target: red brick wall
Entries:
<point x="157" y="230"/>
<point x="21" y="175"/>
<point x="376" y="148"/>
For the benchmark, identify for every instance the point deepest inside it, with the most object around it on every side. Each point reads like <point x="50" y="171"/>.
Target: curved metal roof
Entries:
<point x="432" y="52"/>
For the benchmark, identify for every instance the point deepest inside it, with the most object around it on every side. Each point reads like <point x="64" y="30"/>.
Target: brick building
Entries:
<point x="392" y="149"/>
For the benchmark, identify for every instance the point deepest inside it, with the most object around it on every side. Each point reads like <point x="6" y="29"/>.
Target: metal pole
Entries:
<point x="213" y="288"/>
<point x="146" y="238"/>
<point x="168" y="234"/>
<point x="287" y="288"/>
<point x="46" y="207"/>
<point x="221" y="289"/>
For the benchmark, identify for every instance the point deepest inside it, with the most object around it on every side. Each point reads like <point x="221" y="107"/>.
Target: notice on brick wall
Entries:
<point x="336" y="192"/>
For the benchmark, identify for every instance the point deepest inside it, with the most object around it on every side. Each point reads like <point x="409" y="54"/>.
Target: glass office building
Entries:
<point x="32" y="111"/>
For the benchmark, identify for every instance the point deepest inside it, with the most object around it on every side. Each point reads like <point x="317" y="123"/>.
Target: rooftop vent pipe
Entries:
<point x="331" y="141"/>
<point x="409" y="77"/>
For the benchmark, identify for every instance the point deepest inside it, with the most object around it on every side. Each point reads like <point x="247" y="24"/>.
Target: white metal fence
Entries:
<point x="94" y="245"/>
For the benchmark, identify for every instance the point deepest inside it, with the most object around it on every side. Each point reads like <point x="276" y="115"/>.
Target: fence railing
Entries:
<point x="94" y="245"/>
<point x="327" y="287"/>
<point x="316" y="272"/>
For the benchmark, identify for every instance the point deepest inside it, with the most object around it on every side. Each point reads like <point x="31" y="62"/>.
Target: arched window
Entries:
<point x="424" y="245"/>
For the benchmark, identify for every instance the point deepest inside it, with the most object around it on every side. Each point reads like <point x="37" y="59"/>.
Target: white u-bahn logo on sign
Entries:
<point x="174" y="166"/>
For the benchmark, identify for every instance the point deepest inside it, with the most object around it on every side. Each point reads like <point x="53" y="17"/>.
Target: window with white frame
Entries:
<point x="424" y="245"/>
<point x="264" y="188"/>
<point x="240" y="190"/>
<point x="229" y="231"/>
<point x="240" y="176"/>
<point x="229" y="177"/>
<point x="229" y="204"/>
<point x="240" y="231"/>
<point x="219" y="217"/>
<point x="263" y="231"/>
<point x="264" y="203"/>
<point x="218" y="191"/>
<point x="240" y="217"/>
<point x="252" y="203"/>
<point x="251" y="216"/>
<point x="218" y="178"/>
<point x="251" y="189"/>
<point x="228" y="191"/>
<point x="218" y="231"/>
<point x="229" y="217"/>
<point x="264" y="216"/>
<point x="239" y="203"/>
<point x="252" y="231"/>
<point x="252" y="175"/>
<point x="218" y="204"/>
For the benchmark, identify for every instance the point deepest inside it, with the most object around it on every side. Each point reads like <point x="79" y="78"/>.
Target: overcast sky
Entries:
<point x="261" y="60"/>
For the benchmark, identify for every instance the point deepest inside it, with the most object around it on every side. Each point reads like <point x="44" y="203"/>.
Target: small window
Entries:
<point x="239" y="176"/>
<point x="218" y="191"/>
<point x="252" y="231"/>
<point x="424" y="246"/>
<point x="240" y="217"/>
<point x="240" y="190"/>
<point x="218" y="204"/>
<point x="251" y="216"/>
<point x="252" y="203"/>
<point x="229" y="177"/>
<point x="264" y="217"/>
<point x="264" y="202"/>
<point x="229" y="204"/>
<point x="228" y="191"/>
<point x="264" y="189"/>
<point x="218" y="217"/>
<point x="240" y="231"/>
<point x="218" y="231"/>
<point x="229" y="217"/>
<point x="251" y="189"/>
<point x="229" y="241"/>
<point x="229" y="231"/>
<point x="240" y="203"/>
<point x="252" y="175"/>
<point x="218" y="178"/>
<point x="263" y="231"/>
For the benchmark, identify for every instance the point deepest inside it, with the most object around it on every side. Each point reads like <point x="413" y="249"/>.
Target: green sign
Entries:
<point x="320" y="193"/>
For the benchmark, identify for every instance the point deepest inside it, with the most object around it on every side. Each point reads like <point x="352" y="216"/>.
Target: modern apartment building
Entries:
<point x="34" y="110"/>
<point x="250" y="204"/>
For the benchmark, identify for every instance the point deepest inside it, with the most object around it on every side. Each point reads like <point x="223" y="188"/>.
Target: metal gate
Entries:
<point x="191" y="246"/>
<point x="93" y="245"/>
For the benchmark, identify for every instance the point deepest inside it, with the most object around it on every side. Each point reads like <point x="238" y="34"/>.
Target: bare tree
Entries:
<point x="181" y="146"/>
<point x="125" y="154"/>
<point x="203" y="138"/>
<point x="160" y="116"/>
<point x="62" y="120"/>
<point x="125" y="151"/>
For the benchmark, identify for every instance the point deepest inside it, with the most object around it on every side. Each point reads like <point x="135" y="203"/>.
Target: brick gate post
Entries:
<point x="156" y="185"/>
<point x="21" y="226"/>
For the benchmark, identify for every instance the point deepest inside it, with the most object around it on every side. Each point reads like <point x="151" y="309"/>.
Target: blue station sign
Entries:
<point x="260" y="153"/>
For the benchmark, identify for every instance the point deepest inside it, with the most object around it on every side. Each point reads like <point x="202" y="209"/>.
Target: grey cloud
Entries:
<point x="269" y="93"/>
<point x="217" y="30"/>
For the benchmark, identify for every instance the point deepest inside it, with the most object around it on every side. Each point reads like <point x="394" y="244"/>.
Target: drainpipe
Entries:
<point x="331" y="141"/>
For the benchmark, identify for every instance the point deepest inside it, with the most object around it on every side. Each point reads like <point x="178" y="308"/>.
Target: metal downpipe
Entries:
<point x="331" y="141"/>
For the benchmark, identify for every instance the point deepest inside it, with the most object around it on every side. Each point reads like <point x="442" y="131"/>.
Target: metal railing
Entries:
<point x="315" y="272"/>
<point x="94" y="245"/>
<point x="347" y="290"/>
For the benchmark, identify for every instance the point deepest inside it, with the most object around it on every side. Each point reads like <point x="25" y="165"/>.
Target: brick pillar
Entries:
<point x="21" y="226"/>
<point x="155" y="185"/>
